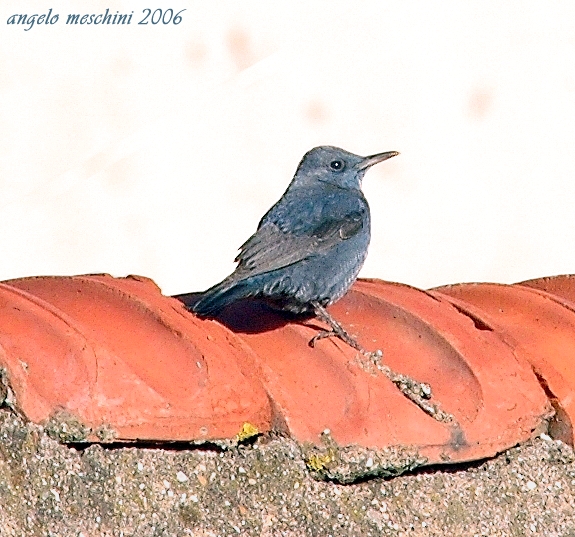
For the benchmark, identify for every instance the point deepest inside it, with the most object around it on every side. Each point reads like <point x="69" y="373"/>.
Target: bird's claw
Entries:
<point x="321" y="335"/>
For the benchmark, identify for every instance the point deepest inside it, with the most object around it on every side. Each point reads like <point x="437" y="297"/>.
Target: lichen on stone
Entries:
<point x="348" y="464"/>
<point x="247" y="432"/>
<point x="65" y="427"/>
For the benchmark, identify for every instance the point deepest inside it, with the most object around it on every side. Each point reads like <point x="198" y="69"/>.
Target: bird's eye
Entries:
<point x="337" y="165"/>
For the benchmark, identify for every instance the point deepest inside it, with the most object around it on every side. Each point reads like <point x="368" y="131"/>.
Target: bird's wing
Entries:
<point x="272" y="247"/>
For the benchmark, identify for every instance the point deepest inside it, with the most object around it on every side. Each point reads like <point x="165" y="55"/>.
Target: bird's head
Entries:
<point x="336" y="166"/>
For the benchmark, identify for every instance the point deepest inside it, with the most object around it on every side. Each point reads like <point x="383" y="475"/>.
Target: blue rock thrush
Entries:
<point x="310" y="246"/>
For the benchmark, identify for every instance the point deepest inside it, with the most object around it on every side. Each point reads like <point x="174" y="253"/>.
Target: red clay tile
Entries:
<point x="124" y="359"/>
<point x="539" y="326"/>
<point x="559" y="286"/>
<point x="120" y="357"/>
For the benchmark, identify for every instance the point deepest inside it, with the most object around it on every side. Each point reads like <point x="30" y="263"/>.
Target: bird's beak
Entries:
<point x="374" y="159"/>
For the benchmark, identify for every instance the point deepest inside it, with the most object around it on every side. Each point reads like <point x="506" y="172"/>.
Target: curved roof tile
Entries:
<point x="122" y="362"/>
<point x="537" y="319"/>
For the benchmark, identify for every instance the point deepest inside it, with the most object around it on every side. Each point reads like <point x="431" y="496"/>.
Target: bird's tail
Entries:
<point x="219" y="296"/>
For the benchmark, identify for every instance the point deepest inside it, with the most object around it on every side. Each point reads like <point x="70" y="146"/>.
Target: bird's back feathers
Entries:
<point x="310" y="245"/>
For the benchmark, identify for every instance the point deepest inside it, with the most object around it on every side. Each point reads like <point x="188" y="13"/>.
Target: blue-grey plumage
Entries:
<point x="310" y="246"/>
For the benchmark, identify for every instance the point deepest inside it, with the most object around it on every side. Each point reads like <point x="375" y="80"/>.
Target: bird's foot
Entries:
<point x="336" y="330"/>
<point x="343" y="335"/>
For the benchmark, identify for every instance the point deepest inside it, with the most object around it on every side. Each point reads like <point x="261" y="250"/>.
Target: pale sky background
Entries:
<point x="155" y="149"/>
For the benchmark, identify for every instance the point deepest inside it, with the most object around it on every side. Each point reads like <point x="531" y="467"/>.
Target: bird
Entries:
<point x="309" y="247"/>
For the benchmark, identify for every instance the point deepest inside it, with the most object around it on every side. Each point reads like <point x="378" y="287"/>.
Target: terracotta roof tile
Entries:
<point x="537" y="320"/>
<point x="126" y="363"/>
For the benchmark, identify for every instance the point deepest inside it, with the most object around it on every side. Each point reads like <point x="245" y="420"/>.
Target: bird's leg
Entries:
<point x="336" y="330"/>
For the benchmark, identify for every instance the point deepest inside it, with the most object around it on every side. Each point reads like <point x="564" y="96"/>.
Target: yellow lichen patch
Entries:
<point x="247" y="431"/>
<point x="319" y="462"/>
